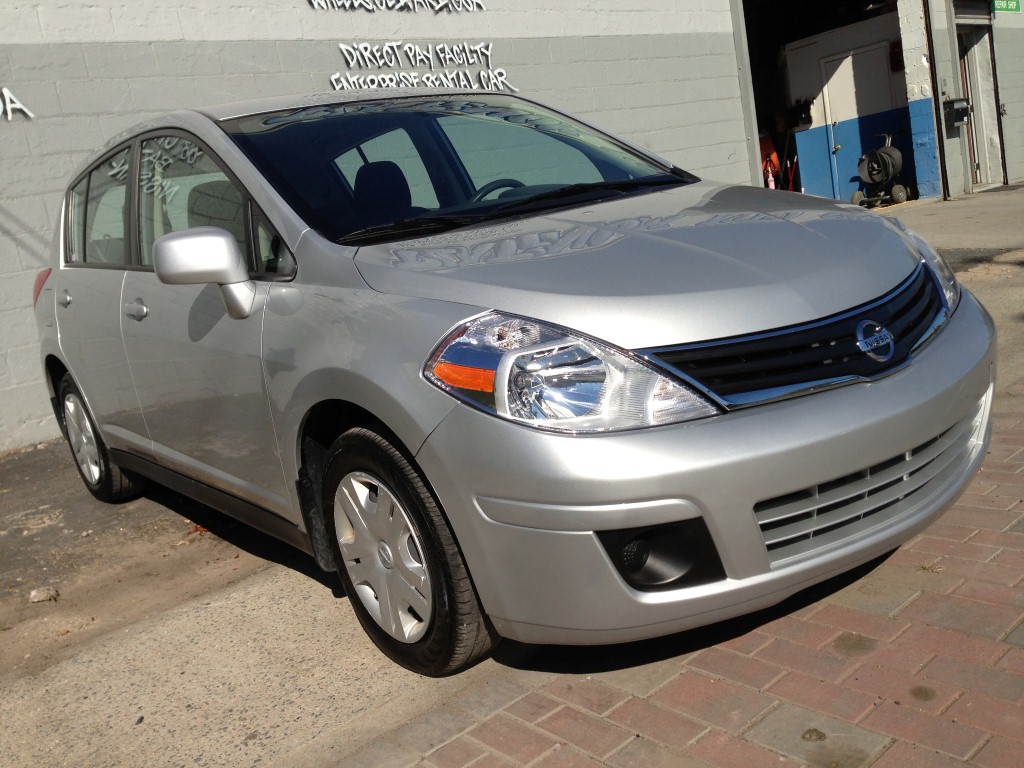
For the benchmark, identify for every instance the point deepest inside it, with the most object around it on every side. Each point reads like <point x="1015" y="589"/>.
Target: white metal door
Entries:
<point x="976" y="72"/>
<point x="857" y="84"/>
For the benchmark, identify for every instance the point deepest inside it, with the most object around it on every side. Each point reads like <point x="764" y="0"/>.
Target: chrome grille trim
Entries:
<point x="749" y="370"/>
<point x="823" y="514"/>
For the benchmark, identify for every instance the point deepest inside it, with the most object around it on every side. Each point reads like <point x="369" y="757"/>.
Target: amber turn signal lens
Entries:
<point x="464" y="377"/>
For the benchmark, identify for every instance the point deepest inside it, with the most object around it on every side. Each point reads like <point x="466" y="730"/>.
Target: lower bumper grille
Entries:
<point x="823" y="514"/>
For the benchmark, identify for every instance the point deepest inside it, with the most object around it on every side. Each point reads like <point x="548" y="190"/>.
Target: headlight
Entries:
<point x="548" y="377"/>
<point x="943" y="274"/>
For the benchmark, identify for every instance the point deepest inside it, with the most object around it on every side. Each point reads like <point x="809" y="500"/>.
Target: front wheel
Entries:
<point x="104" y="479"/>
<point x="399" y="563"/>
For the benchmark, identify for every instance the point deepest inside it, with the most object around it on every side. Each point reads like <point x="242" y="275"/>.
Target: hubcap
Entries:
<point x="384" y="553"/>
<point x="82" y="439"/>
<point x="383" y="556"/>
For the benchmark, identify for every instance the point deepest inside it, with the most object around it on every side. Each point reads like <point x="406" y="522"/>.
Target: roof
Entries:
<point x="236" y="109"/>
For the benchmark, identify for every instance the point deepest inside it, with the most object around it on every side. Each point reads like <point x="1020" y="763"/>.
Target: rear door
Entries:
<point x="96" y="257"/>
<point x="197" y="371"/>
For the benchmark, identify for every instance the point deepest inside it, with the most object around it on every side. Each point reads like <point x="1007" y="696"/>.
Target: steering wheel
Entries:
<point x="491" y="186"/>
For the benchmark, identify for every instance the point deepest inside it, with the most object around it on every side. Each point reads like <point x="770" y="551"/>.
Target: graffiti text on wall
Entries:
<point x="407" y="65"/>
<point x="410" y="6"/>
<point x="10" y="104"/>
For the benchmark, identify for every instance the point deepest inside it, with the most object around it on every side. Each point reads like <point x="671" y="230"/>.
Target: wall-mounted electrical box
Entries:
<point x="957" y="111"/>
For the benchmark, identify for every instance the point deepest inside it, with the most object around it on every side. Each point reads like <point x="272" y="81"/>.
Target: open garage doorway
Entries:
<point x="984" y="158"/>
<point x="831" y="98"/>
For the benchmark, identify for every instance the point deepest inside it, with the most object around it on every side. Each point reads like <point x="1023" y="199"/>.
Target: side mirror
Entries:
<point x="206" y="255"/>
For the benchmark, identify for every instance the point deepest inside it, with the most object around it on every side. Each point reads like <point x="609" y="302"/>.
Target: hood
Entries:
<point x="677" y="266"/>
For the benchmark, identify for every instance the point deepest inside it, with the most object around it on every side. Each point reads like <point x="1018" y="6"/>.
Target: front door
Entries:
<point x="198" y="372"/>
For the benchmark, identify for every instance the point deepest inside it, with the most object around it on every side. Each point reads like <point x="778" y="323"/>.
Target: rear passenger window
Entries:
<point x="98" y="215"/>
<point x="180" y="187"/>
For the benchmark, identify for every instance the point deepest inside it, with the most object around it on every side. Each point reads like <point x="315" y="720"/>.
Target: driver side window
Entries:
<point x="181" y="187"/>
<point x="491" y="150"/>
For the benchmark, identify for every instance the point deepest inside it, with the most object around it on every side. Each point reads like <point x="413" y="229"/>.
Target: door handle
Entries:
<point x="837" y="147"/>
<point x="64" y="299"/>
<point x="137" y="310"/>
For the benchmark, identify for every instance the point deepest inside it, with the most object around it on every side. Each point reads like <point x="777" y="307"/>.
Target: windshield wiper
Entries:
<point x="422" y="225"/>
<point x="427" y="225"/>
<point x="588" y="191"/>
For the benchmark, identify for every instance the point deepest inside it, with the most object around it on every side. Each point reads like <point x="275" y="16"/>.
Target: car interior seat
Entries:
<point x="381" y="193"/>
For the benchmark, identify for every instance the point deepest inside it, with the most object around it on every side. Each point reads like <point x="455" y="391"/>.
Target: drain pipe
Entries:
<point x="936" y="99"/>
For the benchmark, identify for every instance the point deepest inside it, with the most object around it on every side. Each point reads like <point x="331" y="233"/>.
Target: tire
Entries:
<point x="857" y="198"/>
<point x="895" y="158"/>
<point x="877" y="166"/>
<point x="399" y="564"/>
<point x="899" y="194"/>
<point x="105" y="480"/>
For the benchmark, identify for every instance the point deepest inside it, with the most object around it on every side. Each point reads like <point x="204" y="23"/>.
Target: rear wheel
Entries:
<point x="105" y="480"/>
<point x="399" y="563"/>
<point x="899" y="194"/>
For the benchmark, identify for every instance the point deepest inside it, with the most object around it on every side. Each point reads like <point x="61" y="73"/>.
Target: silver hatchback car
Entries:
<point x="508" y="375"/>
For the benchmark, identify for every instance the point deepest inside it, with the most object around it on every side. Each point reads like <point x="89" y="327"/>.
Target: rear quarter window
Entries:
<point x="98" y="215"/>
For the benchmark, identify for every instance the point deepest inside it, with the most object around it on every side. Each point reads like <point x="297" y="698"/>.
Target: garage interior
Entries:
<point x="770" y="26"/>
<point x="832" y="91"/>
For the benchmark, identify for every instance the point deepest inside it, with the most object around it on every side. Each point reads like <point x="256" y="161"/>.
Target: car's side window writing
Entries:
<point x="181" y="187"/>
<point x="98" y="215"/>
<point x="395" y="147"/>
<point x="492" y="150"/>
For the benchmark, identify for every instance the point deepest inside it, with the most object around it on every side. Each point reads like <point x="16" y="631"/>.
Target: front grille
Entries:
<point x="822" y="514"/>
<point x="792" y="360"/>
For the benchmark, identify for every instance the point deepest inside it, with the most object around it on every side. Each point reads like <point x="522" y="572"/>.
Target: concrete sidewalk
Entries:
<point x="915" y="663"/>
<point x="988" y="220"/>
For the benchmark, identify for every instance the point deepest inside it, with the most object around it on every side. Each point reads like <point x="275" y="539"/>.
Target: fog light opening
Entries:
<point x="658" y="557"/>
<point x="664" y="557"/>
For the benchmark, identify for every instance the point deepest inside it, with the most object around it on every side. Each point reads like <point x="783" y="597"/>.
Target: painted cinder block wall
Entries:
<point x="920" y="102"/>
<point x="665" y="75"/>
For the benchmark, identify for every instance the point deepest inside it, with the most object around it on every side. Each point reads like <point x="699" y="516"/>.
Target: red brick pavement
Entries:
<point x="918" y="664"/>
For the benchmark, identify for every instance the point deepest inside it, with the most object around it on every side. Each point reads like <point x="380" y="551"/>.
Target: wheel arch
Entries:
<point x="322" y="424"/>
<point x="376" y="395"/>
<point x="55" y="371"/>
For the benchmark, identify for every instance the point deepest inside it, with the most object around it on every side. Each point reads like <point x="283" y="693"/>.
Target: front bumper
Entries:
<point x="525" y="504"/>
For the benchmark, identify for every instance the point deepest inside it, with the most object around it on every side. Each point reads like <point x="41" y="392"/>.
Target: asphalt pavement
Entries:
<point x="210" y="645"/>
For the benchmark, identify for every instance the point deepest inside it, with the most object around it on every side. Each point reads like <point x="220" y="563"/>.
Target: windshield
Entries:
<point x="381" y="170"/>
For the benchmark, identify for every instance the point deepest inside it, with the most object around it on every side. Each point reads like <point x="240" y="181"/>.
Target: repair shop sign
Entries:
<point x="1011" y="6"/>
